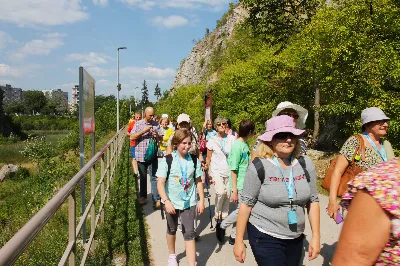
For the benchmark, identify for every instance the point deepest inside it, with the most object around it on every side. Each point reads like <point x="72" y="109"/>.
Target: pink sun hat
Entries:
<point x="277" y="124"/>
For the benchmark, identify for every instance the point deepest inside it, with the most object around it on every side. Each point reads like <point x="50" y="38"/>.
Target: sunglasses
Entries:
<point x="221" y="124"/>
<point x="293" y="115"/>
<point x="284" y="135"/>
<point x="381" y="122"/>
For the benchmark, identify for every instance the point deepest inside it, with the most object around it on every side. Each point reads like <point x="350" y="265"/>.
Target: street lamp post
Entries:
<point x="135" y="97"/>
<point x="118" y="86"/>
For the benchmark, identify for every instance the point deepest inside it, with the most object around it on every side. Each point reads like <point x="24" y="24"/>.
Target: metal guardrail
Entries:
<point x="13" y="249"/>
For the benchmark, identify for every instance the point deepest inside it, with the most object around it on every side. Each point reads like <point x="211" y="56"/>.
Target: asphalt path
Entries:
<point x="211" y="252"/>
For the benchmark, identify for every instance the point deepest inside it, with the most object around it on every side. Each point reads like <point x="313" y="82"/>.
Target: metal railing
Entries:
<point x="108" y="157"/>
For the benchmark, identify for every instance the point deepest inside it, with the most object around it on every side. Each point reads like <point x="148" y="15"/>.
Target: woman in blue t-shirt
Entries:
<point x="178" y="193"/>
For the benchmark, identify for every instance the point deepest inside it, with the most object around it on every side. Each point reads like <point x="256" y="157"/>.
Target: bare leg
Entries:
<point x="171" y="243"/>
<point x="190" y="247"/>
<point x="135" y="166"/>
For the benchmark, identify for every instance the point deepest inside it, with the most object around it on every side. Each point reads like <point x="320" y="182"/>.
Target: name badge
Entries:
<point x="292" y="217"/>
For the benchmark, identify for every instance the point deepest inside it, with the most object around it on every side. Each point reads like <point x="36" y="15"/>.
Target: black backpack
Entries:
<point x="261" y="172"/>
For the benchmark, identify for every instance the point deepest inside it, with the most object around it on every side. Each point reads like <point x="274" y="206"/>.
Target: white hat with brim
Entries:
<point x="301" y="111"/>
<point x="372" y="114"/>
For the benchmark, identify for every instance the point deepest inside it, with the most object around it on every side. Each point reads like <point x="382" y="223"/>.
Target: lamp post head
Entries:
<point x="120" y="48"/>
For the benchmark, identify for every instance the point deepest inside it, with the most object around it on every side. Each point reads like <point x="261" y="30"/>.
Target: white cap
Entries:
<point x="164" y="116"/>
<point x="183" y="118"/>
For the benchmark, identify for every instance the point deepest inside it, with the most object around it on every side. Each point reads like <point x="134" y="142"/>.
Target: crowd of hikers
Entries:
<point x="272" y="184"/>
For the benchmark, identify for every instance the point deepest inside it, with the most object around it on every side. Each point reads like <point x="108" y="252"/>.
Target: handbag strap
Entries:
<point x="360" y="150"/>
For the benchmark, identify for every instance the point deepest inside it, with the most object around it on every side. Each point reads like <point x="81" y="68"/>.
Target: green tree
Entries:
<point x="145" y="94"/>
<point x="100" y="100"/>
<point x="14" y="107"/>
<point x="276" y="20"/>
<point x="33" y="101"/>
<point x="157" y="92"/>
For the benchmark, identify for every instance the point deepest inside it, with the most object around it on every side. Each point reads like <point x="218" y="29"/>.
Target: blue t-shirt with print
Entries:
<point x="174" y="186"/>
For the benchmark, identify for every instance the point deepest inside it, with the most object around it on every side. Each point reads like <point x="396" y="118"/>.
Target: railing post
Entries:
<point x="108" y="172"/>
<point x="93" y="207"/>
<point x="72" y="226"/>
<point x="102" y="188"/>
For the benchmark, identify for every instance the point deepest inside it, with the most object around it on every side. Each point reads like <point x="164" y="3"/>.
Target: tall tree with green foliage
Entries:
<point x="157" y="92"/>
<point x="277" y="20"/>
<point x="145" y="94"/>
<point x="33" y="101"/>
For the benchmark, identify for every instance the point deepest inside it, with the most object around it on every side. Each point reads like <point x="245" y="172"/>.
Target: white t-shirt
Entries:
<point x="220" y="151"/>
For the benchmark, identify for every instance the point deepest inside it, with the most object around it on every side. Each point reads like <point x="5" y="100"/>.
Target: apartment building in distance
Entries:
<point x="59" y="97"/>
<point x="75" y="99"/>
<point x="10" y="93"/>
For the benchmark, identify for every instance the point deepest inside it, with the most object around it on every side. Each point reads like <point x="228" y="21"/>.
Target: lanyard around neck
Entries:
<point x="184" y="171"/>
<point x="290" y="185"/>
<point x="381" y="152"/>
<point x="222" y="144"/>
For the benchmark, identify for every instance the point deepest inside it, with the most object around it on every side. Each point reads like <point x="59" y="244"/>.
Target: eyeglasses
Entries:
<point x="284" y="135"/>
<point x="381" y="122"/>
<point x="221" y="124"/>
<point x="293" y="115"/>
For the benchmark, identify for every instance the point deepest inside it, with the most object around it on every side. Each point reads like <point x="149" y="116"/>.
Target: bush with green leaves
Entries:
<point x="36" y="149"/>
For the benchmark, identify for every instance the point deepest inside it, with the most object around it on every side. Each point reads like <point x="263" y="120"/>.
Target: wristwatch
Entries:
<point x="163" y="201"/>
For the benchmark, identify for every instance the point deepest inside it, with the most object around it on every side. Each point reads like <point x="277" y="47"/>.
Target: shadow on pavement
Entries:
<point x="326" y="253"/>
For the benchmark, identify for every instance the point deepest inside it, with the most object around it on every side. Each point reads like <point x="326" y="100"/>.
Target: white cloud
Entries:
<point x="5" y="39"/>
<point x="148" y="72"/>
<point x="100" y="2"/>
<point x="36" y="47"/>
<point x="42" y="12"/>
<point x="66" y="87"/>
<point x="88" y="60"/>
<point x="187" y="4"/>
<point x="54" y="35"/>
<point x="8" y="71"/>
<point x="100" y="72"/>
<point x="170" y="22"/>
<point x="143" y="4"/>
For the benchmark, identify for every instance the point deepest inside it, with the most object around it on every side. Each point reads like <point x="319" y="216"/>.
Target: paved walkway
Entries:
<point x="210" y="252"/>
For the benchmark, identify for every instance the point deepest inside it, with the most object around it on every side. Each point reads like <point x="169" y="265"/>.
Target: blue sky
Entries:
<point x="43" y="42"/>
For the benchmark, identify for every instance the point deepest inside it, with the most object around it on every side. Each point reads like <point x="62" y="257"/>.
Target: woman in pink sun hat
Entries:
<point x="279" y="185"/>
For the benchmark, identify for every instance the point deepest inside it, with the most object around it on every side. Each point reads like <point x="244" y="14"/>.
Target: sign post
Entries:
<point x="208" y="104"/>
<point x="86" y="125"/>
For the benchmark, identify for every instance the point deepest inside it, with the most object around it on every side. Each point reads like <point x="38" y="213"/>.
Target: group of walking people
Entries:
<point x="273" y="184"/>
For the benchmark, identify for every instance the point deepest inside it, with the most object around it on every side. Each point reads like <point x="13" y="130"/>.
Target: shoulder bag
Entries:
<point x="351" y="171"/>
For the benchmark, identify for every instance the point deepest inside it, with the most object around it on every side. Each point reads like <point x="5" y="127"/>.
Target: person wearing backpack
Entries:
<point x="238" y="160"/>
<point x="279" y="185"/>
<point x="144" y="131"/>
<point x="177" y="182"/>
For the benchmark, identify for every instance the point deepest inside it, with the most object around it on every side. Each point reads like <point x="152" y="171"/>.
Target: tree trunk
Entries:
<point x="316" y="110"/>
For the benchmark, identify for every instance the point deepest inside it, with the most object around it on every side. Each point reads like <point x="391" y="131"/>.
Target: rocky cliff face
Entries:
<point x="193" y="68"/>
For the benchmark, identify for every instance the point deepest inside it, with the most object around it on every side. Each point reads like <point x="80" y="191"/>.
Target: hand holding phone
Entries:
<point x="339" y="217"/>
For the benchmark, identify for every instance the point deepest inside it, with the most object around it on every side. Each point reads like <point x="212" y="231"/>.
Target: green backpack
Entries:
<point x="151" y="152"/>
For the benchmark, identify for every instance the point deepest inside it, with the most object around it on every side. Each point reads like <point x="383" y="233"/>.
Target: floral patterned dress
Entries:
<point x="383" y="184"/>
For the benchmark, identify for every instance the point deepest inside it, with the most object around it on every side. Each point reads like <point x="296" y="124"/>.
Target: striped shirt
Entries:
<point x="143" y="141"/>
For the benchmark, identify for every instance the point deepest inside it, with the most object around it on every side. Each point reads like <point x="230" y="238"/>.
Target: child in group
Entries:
<point x="178" y="194"/>
<point x="238" y="160"/>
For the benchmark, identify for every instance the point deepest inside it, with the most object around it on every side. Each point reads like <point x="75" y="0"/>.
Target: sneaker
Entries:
<point x="219" y="232"/>
<point x="231" y="240"/>
<point x="172" y="260"/>
<point x="142" y="201"/>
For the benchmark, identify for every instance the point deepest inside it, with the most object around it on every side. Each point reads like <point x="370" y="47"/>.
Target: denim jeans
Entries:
<point x="272" y="251"/>
<point x="143" y="166"/>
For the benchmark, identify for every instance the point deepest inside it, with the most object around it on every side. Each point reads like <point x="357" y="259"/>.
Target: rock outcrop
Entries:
<point x="7" y="170"/>
<point x="194" y="68"/>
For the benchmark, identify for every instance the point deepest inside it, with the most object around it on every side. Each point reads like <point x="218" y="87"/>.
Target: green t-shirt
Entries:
<point x="239" y="158"/>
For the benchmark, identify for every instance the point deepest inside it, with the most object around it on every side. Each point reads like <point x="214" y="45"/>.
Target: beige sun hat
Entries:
<point x="301" y="111"/>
